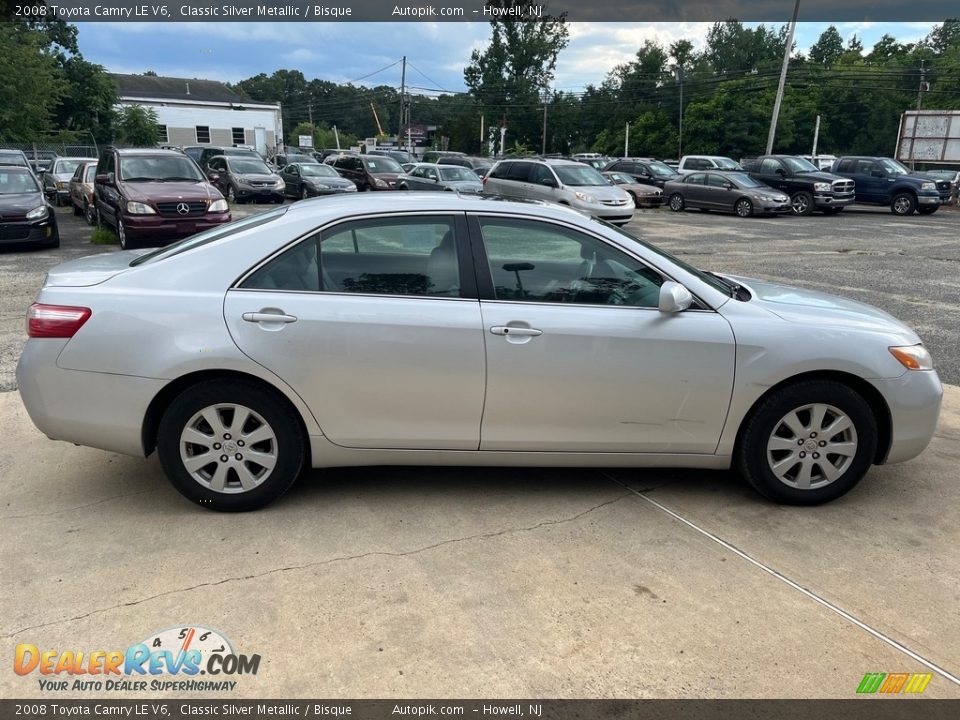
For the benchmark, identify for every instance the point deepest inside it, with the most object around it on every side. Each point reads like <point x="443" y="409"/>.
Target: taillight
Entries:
<point x="55" y="321"/>
<point x="483" y="180"/>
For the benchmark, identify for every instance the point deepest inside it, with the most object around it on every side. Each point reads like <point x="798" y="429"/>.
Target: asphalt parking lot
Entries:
<point x="446" y="582"/>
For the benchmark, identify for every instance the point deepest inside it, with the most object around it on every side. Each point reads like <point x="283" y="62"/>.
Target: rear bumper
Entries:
<point x="163" y="228"/>
<point x="914" y="400"/>
<point x="94" y="409"/>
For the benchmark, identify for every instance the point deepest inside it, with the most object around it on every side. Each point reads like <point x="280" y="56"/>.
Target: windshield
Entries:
<point x="659" y="168"/>
<point x="382" y="164"/>
<point x="799" y="165"/>
<point x="160" y="168"/>
<point x="455" y="172"/>
<point x="251" y="166"/>
<point x="745" y="181"/>
<point x="90" y="173"/>
<point x="12" y="159"/>
<point x="620" y="179"/>
<point x="727" y="164"/>
<point x="64" y="167"/>
<point x="15" y="182"/>
<point x="700" y="275"/>
<point x="893" y="167"/>
<point x="579" y="176"/>
<point x="209" y="236"/>
<point x="318" y="171"/>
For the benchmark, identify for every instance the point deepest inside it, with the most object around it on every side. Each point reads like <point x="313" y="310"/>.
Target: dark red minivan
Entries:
<point x="154" y="195"/>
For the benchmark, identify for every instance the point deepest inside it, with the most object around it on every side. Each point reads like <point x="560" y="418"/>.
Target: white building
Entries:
<point x="203" y="112"/>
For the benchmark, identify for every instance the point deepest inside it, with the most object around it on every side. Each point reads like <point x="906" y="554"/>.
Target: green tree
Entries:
<point x="136" y="125"/>
<point x="32" y="85"/>
<point x="512" y="74"/>
<point x="828" y="48"/>
<point x="945" y="37"/>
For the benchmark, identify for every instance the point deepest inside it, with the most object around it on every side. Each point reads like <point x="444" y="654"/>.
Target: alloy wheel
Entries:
<point x="812" y="446"/>
<point x="744" y="208"/>
<point x="800" y="204"/>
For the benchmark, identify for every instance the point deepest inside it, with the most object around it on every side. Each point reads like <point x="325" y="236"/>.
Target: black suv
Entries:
<point x="884" y="181"/>
<point x="644" y="170"/>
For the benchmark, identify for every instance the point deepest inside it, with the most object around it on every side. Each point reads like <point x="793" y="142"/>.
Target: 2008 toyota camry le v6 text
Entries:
<point x="440" y="330"/>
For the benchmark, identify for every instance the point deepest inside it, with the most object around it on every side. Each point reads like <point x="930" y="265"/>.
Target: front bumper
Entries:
<point x="933" y="199"/>
<point x="29" y="231"/>
<point x="914" y="400"/>
<point x="98" y="410"/>
<point x="259" y="193"/>
<point x="831" y="200"/>
<point x="157" y="227"/>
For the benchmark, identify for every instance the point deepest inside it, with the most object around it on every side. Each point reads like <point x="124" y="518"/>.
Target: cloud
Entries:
<point x="300" y="55"/>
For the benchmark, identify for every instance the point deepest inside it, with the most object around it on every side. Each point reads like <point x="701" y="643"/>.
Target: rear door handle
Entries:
<point x="515" y="331"/>
<point x="267" y="317"/>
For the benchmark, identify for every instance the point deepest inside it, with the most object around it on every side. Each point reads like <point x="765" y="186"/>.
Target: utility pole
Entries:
<point x="481" y="135"/>
<point x="920" y="88"/>
<point x="403" y="98"/>
<point x="816" y="138"/>
<point x="310" y="110"/>
<point x="678" y="75"/>
<point x="626" y="143"/>
<point x="543" y="149"/>
<point x="783" y="79"/>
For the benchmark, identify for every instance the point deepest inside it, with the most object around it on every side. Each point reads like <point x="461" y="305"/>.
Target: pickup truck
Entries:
<point x="884" y="181"/>
<point x="809" y="188"/>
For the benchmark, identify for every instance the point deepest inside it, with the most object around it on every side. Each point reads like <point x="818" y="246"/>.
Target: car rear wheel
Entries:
<point x="903" y="204"/>
<point x="928" y="209"/>
<point x="802" y="203"/>
<point x="743" y="208"/>
<point x="808" y="443"/>
<point x="230" y="445"/>
<point x="676" y="202"/>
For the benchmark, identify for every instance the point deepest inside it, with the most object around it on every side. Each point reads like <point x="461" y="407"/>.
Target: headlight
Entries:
<point x="913" y="357"/>
<point x="136" y="208"/>
<point x="583" y="197"/>
<point x="928" y="186"/>
<point x="61" y="186"/>
<point x="350" y="188"/>
<point x="243" y="181"/>
<point x="821" y="187"/>
<point x="218" y="206"/>
<point x="321" y="186"/>
<point x="380" y="183"/>
<point x="281" y="184"/>
<point x="38" y="212"/>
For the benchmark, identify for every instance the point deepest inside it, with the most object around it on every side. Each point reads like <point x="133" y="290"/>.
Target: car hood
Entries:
<point x="800" y="305"/>
<point x="641" y="188"/>
<point x="602" y="192"/>
<point x="170" y="191"/>
<point x="257" y="177"/>
<point x="471" y="186"/>
<point x="20" y="203"/>
<point x="92" y="269"/>
<point x="767" y="193"/>
<point x="331" y="181"/>
<point x="820" y="176"/>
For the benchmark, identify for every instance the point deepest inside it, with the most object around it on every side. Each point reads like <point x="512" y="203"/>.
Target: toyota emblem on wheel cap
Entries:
<point x="183" y="208"/>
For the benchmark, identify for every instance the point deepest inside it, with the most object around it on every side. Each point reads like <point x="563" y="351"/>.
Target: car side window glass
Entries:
<point x="540" y="173"/>
<point x="769" y="166"/>
<point x="717" y="181"/>
<point x="295" y="270"/>
<point x="521" y="171"/>
<point x="532" y="261"/>
<point x="695" y="179"/>
<point x="395" y="256"/>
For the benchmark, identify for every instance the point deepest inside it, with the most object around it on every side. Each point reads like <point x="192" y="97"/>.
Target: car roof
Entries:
<point x="148" y="151"/>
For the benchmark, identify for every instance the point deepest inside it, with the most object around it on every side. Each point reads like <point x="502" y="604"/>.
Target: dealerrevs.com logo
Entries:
<point x="184" y="658"/>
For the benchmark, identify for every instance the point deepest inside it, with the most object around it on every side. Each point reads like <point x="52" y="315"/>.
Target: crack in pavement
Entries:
<point x="320" y="563"/>
<point x="78" y="507"/>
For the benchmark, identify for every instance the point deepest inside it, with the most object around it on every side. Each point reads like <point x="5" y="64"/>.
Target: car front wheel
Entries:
<point x="676" y="202"/>
<point x="125" y="242"/>
<point x="802" y="203"/>
<point x="903" y="204"/>
<point x="230" y="445"/>
<point x="808" y="443"/>
<point x="304" y="193"/>
<point x="744" y="207"/>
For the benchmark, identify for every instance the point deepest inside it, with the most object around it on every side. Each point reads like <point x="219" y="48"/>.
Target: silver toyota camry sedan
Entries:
<point x="427" y="328"/>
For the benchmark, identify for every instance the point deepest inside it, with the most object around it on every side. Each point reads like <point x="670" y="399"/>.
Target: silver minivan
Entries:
<point x="563" y="182"/>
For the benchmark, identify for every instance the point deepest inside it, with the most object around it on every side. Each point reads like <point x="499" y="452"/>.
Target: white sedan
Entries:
<point x="427" y="328"/>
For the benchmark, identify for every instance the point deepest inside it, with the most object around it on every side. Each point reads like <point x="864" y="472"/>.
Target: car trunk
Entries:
<point x="91" y="270"/>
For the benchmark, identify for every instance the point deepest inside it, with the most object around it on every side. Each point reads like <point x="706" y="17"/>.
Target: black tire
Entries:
<point x="743" y="208"/>
<point x="903" y="204"/>
<point x="90" y="214"/>
<point x="126" y="243"/>
<point x="402" y="186"/>
<point x="55" y="243"/>
<point x="801" y="203"/>
<point x="304" y="193"/>
<point x="927" y="209"/>
<point x="287" y="444"/>
<point x="751" y="455"/>
<point x="676" y="202"/>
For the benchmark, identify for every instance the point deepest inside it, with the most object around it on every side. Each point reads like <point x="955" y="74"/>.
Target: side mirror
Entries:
<point x="728" y="185"/>
<point x="214" y="177"/>
<point x="674" y="297"/>
<point x="549" y="182"/>
<point x="781" y="172"/>
<point x="878" y="174"/>
<point x="104" y="179"/>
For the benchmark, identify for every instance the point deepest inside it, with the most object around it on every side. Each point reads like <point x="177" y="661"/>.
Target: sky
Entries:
<point x="436" y="52"/>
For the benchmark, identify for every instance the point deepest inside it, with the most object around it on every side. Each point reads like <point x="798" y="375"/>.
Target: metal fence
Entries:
<point x="42" y="149"/>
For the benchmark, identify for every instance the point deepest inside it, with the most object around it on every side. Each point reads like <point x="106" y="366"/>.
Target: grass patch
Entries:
<point x="103" y="236"/>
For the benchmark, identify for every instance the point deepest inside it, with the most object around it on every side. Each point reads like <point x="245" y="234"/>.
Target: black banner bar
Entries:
<point x="873" y="708"/>
<point x="778" y="11"/>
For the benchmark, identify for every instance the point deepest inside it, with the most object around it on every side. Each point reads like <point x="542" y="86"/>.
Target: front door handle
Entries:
<point x="268" y="317"/>
<point x="515" y="331"/>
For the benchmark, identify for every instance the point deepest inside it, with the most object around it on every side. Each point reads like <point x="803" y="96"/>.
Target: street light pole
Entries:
<point x="678" y="75"/>
<point x="783" y="79"/>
